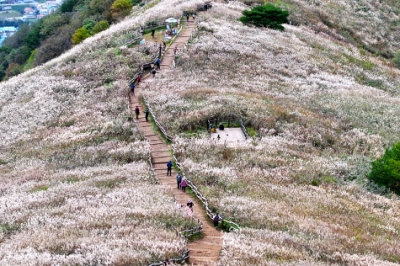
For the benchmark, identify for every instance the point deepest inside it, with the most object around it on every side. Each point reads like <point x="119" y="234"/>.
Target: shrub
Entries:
<point x="265" y="16"/>
<point x="79" y="35"/>
<point x="385" y="171"/>
<point x="88" y="24"/>
<point x="100" y="26"/>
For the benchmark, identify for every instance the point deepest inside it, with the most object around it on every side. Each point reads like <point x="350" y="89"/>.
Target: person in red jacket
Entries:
<point x="183" y="185"/>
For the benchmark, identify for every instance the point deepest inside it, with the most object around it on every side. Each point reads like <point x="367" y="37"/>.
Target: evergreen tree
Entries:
<point x="267" y="15"/>
<point x="386" y="170"/>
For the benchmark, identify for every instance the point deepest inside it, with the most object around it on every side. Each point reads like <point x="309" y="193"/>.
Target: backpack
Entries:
<point x="216" y="218"/>
<point x="179" y="178"/>
<point x="169" y="164"/>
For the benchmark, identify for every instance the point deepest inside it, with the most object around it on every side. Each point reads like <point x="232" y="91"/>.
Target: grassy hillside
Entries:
<point x="323" y="109"/>
<point x="373" y="25"/>
<point x="76" y="189"/>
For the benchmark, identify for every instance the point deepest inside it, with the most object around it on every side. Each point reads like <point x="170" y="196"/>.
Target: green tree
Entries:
<point x="267" y="15"/>
<point x="121" y="8"/>
<point x="385" y="171"/>
<point x="68" y="6"/>
<point x="100" y="26"/>
<point x="396" y="58"/>
<point x="79" y="35"/>
<point x="51" y="23"/>
<point x="88" y="24"/>
<point x="32" y="40"/>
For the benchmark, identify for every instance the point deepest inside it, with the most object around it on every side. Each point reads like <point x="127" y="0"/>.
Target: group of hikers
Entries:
<point x="182" y="184"/>
<point x="181" y="181"/>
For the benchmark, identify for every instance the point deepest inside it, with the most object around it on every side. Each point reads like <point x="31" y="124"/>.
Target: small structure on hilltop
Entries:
<point x="227" y="131"/>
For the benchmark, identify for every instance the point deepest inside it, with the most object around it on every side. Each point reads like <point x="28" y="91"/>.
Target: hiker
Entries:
<point x="137" y="112"/>
<point x="158" y="63"/>
<point x="175" y="50"/>
<point x="153" y="31"/>
<point x="132" y="86"/>
<point x="194" y="15"/>
<point x="169" y="168"/>
<point x="190" y="204"/>
<point x="187" y="16"/>
<point x="153" y="71"/>
<point x="179" y="180"/>
<point x="146" y="115"/>
<point x="216" y="219"/>
<point x="218" y="137"/>
<point x="138" y="79"/>
<point x="183" y="184"/>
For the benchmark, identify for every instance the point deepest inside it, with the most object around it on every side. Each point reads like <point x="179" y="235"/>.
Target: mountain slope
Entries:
<point x="323" y="108"/>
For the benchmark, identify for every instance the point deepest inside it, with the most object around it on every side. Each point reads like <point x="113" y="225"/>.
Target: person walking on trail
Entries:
<point x="132" y="86"/>
<point x="137" y="112"/>
<point x="175" y="50"/>
<point x="169" y="168"/>
<point x="179" y="180"/>
<point x="187" y="16"/>
<point x="146" y="115"/>
<point x="158" y="63"/>
<point x="194" y="15"/>
<point x="153" y="31"/>
<point x="216" y="219"/>
<point x="138" y="79"/>
<point x="153" y="71"/>
<point x="183" y="184"/>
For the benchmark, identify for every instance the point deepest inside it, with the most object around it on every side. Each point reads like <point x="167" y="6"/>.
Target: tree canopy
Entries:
<point x="385" y="171"/>
<point x="267" y="15"/>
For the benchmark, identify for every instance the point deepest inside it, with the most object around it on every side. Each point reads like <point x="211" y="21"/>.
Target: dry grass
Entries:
<point x="321" y="125"/>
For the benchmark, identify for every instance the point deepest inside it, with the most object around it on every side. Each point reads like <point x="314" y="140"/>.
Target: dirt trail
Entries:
<point x="204" y="251"/>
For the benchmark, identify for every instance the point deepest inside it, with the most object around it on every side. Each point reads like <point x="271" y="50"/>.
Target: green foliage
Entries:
<point x="9" y="228"/>
<point x="396" y="58"/>
<point x="100" y="26"/>
<point x="136" y="2"/>
<point x="385" y="171"/>
<point x="68" y="6"/>
<point x="30" y="62"/>
<point x="40" y="188"/>
<point x="363" y="79"/>
<point x="265" y="16"/>
<point x="32" y="39"/>
<point x="121" y="8"/>
<point x="88" y="24"/>
<point x="52" y="35"/>
<point x="79" y="35"/>
<point x="52" y="23"/>
<point x="251" y="131"/>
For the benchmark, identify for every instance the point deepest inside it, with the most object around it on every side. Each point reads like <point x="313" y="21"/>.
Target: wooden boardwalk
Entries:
<point x="204" y="251"/>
